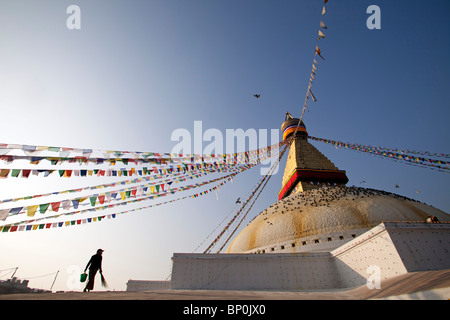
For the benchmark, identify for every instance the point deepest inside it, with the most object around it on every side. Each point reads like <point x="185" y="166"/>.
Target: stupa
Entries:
<point x="320" y="234"/>
<point x="316" y="211"/>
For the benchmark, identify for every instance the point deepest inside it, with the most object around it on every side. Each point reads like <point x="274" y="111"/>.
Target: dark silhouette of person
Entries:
<point x="94" y="265"/>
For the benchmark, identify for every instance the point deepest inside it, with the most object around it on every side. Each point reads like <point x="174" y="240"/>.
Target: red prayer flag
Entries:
<point x="55" y="206"/>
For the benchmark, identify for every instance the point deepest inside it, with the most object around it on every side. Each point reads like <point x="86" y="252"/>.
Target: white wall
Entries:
<point x="373" y="248"/>
<point x="395" y="248"/>
<point x="426" y="247"/>
<point x="147" y="285"/>
<point x="253" y="271"/>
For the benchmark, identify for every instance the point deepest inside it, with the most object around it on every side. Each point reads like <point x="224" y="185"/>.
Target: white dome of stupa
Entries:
<point x="325" y="218"/>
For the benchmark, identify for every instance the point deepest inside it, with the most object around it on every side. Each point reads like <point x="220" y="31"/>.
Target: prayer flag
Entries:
<point x="4" y="173"/>
<point x="43" y="207"/>
<point x="4" y="214"/>
<point x="318" y="52"/>
<point x="312" y="95"/>
<point x="31" y="210"/>
<point x="26" y="173"/>
<point x="55" y="206"/>
<point x="75" y="203"/>
<point x="66" y="204"/>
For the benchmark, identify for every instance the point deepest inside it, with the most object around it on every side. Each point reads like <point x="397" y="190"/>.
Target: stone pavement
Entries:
<point x="415" y="285"/>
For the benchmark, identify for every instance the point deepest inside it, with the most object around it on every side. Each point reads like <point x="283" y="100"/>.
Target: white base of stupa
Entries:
<point x="385" y="251"/>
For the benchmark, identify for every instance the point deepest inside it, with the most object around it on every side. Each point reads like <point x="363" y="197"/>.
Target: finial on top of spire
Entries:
<point x="292" y="126"/>
<point x="288" y="116"/>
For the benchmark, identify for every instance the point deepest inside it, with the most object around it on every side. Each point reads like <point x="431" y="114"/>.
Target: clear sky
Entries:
<point x="138" y="70"/>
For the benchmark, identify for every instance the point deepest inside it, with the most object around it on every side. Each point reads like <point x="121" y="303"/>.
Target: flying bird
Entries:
<point x="257" y="96"/>
<point x="238" y="200"/>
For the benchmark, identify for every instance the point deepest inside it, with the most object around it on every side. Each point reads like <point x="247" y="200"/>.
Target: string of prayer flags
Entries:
<point x="317" y="52"/>
<point x="157" y="189"/>
<point x="67" y="173"/>
<point x="405" y="156"/>
<point x="27" y="226"/>
<point x="257" y="187"/>
<point x="186" y="168"/>
<point x="34" y="155"/>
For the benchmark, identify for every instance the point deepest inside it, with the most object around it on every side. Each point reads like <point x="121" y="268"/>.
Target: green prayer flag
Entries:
<point x="15" y="173"/>
<point x="43" y="207"/>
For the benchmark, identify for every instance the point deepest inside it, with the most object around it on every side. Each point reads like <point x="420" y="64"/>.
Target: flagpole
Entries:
<point x="14" y="272"/>
<point x="54" y="280"/>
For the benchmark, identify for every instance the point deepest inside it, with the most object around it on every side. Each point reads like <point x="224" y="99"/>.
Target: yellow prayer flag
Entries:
<point x="31" y="210"/>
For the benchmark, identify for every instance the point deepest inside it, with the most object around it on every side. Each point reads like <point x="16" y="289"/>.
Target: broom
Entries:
<point x="104" y="283"/>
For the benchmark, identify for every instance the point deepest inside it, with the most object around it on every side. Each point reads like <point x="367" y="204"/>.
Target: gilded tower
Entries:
<point x="306" y="168"/>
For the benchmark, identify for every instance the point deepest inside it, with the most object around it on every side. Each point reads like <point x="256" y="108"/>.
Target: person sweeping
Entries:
<point x="94" y="265"/>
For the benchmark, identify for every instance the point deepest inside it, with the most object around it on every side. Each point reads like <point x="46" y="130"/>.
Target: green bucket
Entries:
<point x="83" y="277"/>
